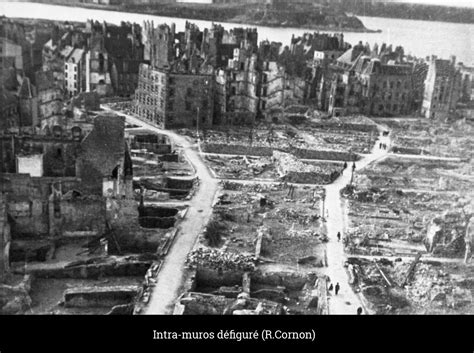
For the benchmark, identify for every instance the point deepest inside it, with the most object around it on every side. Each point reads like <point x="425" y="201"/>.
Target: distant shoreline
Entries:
<point x="241" y="20"/>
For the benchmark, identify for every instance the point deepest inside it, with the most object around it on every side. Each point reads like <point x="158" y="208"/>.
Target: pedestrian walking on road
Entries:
<point x="338" y="236"/>
<point x="359" y="310"/>
<point x="331" y="287"/>
<point x="337" y="288"/>
<point x="345" y="165"/>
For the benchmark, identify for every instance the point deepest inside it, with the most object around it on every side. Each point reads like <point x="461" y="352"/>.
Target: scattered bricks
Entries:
<point x="291" y="169"/>
<point x="217" y="259"/>
<point x="82" y="297"/>
<point x="15" y="299"/>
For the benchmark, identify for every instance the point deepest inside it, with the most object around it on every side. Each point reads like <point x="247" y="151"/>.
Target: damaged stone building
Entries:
<point x="177" y="88"/>
<point x="373" y="88"/>
<point x="374" y="82"/>
<point x="173" y="99"/>
<point x="443" y="87"/>
<point x="50" y="97"/>
<point x="58" y="189"/>
<point x="106" y="57"/>
<point x="245" y="81"/>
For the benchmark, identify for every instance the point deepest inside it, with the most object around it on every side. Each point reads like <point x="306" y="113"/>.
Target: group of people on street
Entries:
<point x="382" y="146"/>
<point x="336" y="289"/>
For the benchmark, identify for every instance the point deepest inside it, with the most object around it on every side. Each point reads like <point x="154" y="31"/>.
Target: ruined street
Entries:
<point x="346" y="301"/>
<point x="181" y="168"/>
<point x="170" y="277"/>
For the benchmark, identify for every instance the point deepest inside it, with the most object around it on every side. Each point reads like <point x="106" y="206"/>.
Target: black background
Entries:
<point x="333" y="333"/>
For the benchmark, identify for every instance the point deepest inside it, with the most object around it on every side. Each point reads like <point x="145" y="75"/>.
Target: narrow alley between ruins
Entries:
<point x="346" y="301"/>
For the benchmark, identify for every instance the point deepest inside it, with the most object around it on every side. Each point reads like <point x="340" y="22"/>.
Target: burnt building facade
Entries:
<point x="443" y="87"/>
<point x="172" y="100"/>
<point x="373" y="88"/>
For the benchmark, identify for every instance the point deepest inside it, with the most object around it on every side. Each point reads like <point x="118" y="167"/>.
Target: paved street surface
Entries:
<point x="346" y="302"/>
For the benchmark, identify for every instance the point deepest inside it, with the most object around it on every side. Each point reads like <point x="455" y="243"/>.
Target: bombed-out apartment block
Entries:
<point x="443" y="87"/>
<point x="24" y="42"/>
<point x="50" y="96"/>
<point x="250" y="80"/>
<point x="177" y="88"/>
<point x="372" y="82"/>
<point x="19" y="101"/>
<point x="174" y="100"/>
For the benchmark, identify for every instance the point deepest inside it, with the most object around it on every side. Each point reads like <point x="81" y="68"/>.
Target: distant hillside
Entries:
<point x="391" y="9"/>
<point x="302" y="14"/>
<point x="329" y="14"/>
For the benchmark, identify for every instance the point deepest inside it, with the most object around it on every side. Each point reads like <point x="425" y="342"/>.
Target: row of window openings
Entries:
<point x="75" y="67"/>
<point x="75" y="75"/>
<point x="392" y="85"/>
<point x="389" y="107"/>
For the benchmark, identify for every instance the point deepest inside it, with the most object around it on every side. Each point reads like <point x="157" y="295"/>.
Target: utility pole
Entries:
<point x="352" y="174"/>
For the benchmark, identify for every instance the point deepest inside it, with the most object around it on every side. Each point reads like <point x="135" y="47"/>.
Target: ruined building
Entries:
<point x="374" y="82"/>
<point x="50" y="97"/>
<point x="25" y="43"/>
<point x="443" y="88"/>
<point x="5" y="239"/>
<point x="113" y="58"/>
<point x="104" y="164"/>
<point x="236" y="98"/>
<point x="74" y="73"/>
<point x="467" y="83"/>
<point x="18" y="99"/>
<point x="373" y="88"/>
<point x="57" y="189"/>
<point x="177" y="88"/>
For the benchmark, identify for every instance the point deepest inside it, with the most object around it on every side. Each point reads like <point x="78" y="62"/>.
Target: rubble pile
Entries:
<point x="433" y="138"/>
<point x="261" y="188"/>
<point x="434" y="288"/>
<point x="445" y="235"/>
<point x="293" y="215"/>
<point x="291" y="169"/>
<point x="220" y="260"/>
<point x="15" y="299"/>
<point x="243" y="167"/>
<point x="124" y="107"/>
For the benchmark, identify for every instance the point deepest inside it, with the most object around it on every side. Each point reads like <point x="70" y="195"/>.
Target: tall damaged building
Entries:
<point x="443" y="87"/>
<point x="372" y="82"/>
<point x="178" y="87"/>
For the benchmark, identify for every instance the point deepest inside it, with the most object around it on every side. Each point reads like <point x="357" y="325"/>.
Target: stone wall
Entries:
<point x="4" y="240"/>
<point x="268" y="151"/>
<point x="82" y="214"/>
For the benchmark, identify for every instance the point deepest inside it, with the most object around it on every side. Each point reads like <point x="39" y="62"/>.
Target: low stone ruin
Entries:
<point x="292" y="170"/>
